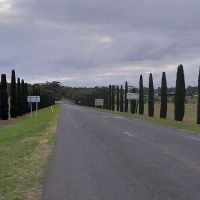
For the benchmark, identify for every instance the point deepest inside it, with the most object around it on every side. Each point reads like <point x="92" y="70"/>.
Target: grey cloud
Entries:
<point x="96" y="42"/>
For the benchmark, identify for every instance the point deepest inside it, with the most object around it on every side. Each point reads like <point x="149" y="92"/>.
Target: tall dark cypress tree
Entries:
<point x="25" y="100"/>
<point x="106" y="98"/>
<point x="117" y="98"/>
<point x="121" y="99"/>
<point x="163" y="106"/>
<point x="113" y="97"/>
<point x="133" y="103"/>
<point x="19" y="98"/>
<point x="13" y="96"/>
<point x="151" y="97"/>
<point x="126" y="100"/>
<point x="179" y="99"/>
<point x="4" y="98"/>
<point x="141" y="96"/>
<point x="198" y="104"/>
<point x="110" y="98"/>
<point x="23" y="97"/>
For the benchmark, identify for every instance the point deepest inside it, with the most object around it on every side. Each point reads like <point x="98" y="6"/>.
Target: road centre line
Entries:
<point x="129" y="134"/>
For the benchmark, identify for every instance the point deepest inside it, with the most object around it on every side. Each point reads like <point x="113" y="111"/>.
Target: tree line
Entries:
<point x="118" y="95"/>
<point x="18" y="91"/>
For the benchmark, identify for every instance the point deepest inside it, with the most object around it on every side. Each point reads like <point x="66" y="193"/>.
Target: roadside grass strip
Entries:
<point x="25" y="148"/>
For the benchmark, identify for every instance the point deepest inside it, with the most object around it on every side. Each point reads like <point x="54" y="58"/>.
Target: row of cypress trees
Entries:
<point x="18" y="97"/>
<point x="118" y="94"/>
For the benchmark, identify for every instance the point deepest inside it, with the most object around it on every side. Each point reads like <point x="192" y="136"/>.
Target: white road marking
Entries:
<point x="194" y="138"/>
<point x="118" y="117"/>
<point x="129" y="134"/>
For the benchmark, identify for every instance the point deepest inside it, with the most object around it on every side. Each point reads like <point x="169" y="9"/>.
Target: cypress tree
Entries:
<point x="110" y="98"/>
<point x="133" y="103"/>
<point x="151" y="97"/>
<point x="126" y="100"/>
<point x="113" y="97"/>
<point x="179" y="99"/>
<point x="121" y="100"/>
<point x="117" y="98"/>
<point x="19" y="98"/>
<point x="141" y="96"/>
<point x="23" y="97"/>
<point x="4" y="98"/>
<point x="198" y="104"/>
<point x="106" y="103"/>
<point x="163" y="106"/>
<point x="25" y="100"/>
<point x="13" y="96"/>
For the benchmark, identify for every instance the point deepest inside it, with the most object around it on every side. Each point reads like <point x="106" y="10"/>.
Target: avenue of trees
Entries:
<point x="115" y="97"/>
<point x="13" y="97"/>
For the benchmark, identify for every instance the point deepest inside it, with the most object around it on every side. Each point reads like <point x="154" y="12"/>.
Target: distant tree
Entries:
<point x="4" y="98"/>
<point x="179" y="99"/>
<point x="198" y="105"/>
<point x="113" y="97"/>
<point x="126" y="100"/>
<point x="151" y="97"/>
<point x="19" y="98"/>
<point x="141" y="96"/>
<point x="117" y="98"/>
<point x="110" y="98"/>
<point x="13" y="96"/>
<point x="163" y="106"/>
<point x="121" y="100"/>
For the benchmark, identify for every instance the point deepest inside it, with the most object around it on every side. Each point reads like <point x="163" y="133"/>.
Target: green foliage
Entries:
<point x="121" y="99"/>
<point x="151" y="97"/>
<point x="126" y="100"/>
<point x="118" y="98"/>
<point x="198" y="105"/>
<point x="4" y="98"/>
<point x="13" y="96"/>
<point x="113" y="97"/>
<point x="19" y="98"/>
<point x="179" y="99"/>
<point x="163" y="108"/>
<point x="110" y="98"/>
<point x="141" y="96"/>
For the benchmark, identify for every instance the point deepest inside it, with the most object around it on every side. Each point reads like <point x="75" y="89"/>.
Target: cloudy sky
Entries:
<point x="99" y="42"/>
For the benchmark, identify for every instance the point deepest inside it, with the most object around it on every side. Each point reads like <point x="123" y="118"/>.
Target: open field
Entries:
<point x="189" y="123"/>
<point x="25" y="147"/>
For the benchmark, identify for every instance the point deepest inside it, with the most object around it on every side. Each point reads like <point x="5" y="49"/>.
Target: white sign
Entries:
<point x="132" y="96"/>
<point x="33" y="99"/>
<point x="99" y="102"/>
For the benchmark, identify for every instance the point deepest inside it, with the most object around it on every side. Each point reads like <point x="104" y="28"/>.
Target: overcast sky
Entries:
<point x="99" y="42"/>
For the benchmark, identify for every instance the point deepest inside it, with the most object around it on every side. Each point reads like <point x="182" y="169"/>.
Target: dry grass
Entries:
<point x="190" y="112"/>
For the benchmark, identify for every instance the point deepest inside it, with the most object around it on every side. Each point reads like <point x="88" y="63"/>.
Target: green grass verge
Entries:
<point x="185" y="126"/>
<point x="25" y="147"/>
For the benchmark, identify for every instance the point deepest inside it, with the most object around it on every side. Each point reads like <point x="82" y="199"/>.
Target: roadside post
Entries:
<point x="31" y="100"/>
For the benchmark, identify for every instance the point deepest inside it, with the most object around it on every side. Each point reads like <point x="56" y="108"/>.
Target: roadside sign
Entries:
<point x="99" y="102"/>
<point x="33" y="99"/>
<point x="132" y="96"/>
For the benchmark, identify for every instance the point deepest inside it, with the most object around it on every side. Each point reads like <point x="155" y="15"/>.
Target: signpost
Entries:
<point x="99" y="102"/>
<point x="31" y="100"/>
<point x="133" y="96"/>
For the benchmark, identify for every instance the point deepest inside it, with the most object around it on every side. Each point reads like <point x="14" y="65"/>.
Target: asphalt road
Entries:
<point x="100" y="156"/>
